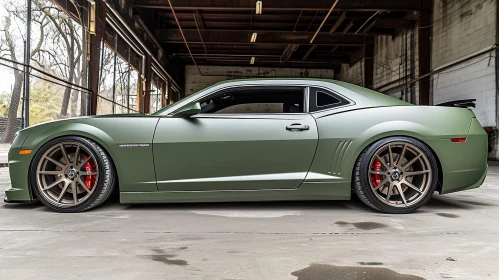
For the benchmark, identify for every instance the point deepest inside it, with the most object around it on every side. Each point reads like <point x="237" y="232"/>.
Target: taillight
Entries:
<point x="458" y="140"/>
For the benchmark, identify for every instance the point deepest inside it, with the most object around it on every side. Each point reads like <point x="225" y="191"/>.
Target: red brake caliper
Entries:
<point x="376" y="178"/>
<point x="89" y="179"/>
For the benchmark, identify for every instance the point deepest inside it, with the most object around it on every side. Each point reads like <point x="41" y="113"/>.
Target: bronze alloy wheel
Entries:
<point x="396" y="175"/>
<point x="72" y="174"/>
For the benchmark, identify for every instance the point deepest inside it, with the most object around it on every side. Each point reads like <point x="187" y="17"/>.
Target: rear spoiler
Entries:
<point x="464" y="103"/>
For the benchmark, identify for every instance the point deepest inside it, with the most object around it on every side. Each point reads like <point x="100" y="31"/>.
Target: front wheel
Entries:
<point x="396" y="175"/>
<point x="71" y="174"/>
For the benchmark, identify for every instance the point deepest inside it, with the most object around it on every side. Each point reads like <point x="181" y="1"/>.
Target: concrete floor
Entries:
<point x="454" y="237"/>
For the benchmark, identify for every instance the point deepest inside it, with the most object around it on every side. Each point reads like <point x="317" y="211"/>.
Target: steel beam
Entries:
<point x="369" y="62"/>
<point x="284" y="5"/>
<point x="424" y="48"/>
<point x="264" y="37"/>
<point x="95" y="45"/>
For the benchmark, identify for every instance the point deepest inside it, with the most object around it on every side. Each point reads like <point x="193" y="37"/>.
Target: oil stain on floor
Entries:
<point x="162" y="257"/>
<point x="448" y="215"/>
<point x="363" y="225"/>
<point x="331" y="272"/>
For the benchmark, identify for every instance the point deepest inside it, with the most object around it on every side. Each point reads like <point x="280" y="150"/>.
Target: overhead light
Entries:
<point x="258" y="7"/>
<point x="252" y="61"/>
<point x="253" y="37"/>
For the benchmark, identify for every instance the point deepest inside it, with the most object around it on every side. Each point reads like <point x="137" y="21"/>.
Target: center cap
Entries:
<point x="71" y="173"/>
<point x="395" y="174"/>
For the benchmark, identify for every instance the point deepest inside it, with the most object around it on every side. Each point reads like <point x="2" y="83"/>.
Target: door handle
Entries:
<point x="297" y="127"/>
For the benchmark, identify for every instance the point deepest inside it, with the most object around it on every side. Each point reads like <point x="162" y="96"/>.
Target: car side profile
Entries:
<point x="255" y="140"/>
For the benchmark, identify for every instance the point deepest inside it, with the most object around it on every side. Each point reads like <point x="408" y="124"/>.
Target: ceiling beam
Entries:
<point x="310" y="50"/>
<point x="287" y="5"/>
<point x="338" y="22"/>
<point x="264" y="37"/>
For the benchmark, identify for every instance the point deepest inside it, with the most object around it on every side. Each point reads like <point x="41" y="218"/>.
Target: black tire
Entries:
<point x="362" y="185"/>
<point x="104" y="184"/>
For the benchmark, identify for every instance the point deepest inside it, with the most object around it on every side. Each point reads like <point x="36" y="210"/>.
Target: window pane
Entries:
<point x="324" y="99"/>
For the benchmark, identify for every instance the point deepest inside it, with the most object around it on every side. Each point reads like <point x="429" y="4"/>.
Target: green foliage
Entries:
<point x="45" y="102"/>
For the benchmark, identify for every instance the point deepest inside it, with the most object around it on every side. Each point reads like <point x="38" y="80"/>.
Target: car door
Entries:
<point x="209" y="152"/>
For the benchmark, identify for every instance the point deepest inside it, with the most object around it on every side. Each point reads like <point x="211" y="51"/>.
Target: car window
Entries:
<point x="325" y="99"/>
<point x="255" y="100"/>
<point x="321" y="99"/>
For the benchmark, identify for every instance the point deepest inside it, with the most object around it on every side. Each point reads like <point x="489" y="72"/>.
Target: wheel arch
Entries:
<point x="85" y="131"/>
<point x="377" y="138"/>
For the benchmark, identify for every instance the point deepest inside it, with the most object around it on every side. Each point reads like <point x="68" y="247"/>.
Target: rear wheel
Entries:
<point x="396" y="175"/>
<point x="72" y="174"/>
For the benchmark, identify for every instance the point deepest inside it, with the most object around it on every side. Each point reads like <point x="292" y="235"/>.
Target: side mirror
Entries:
<point x="189" y="110"/>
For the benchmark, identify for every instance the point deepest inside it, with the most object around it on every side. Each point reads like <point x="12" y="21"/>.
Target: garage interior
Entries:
<point x="423" y="52"/>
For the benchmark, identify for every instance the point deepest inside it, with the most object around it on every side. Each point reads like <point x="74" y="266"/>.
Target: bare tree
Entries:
<point x="8" y="44"/>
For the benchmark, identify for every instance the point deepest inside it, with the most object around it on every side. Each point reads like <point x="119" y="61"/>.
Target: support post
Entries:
<point x="146" y="93"/>
<point x="95" y="44"/>
<point x="369" y="62"/>
<point x="424" y="48"/>
<point x="27" y="57"/>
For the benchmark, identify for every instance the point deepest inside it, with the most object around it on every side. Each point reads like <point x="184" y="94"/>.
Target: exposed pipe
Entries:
<point x="115" y="13"/>
<point x="371" y="17"/>
<point x="183" y="36"/>
<point x="323" y="21"/>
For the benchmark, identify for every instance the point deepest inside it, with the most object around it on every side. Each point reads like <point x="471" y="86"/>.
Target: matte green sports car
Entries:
<point x="255" y="140"/>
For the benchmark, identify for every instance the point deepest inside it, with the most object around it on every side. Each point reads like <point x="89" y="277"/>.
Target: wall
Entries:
<point x="461" y="29"/>
<point x="390" y="65"/>
<point x="194" y="81"/>
<point x="352" y="74"/>
<point x="396" y="62"/>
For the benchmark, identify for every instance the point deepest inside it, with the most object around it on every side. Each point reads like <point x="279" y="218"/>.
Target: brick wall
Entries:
<point x="352" y="74"/>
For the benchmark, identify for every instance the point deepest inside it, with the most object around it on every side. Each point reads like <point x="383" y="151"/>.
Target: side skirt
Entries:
<point x="307" y="191"/>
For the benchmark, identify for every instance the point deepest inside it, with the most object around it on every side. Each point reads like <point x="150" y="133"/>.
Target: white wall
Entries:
<point x="194" y="81"/>
<point x="474" y="79"/>
<point x="461" y="29"/>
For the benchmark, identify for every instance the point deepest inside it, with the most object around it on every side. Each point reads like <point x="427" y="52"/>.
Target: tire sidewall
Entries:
<point x="364" y="177"/>
<point x="100" y="180"/>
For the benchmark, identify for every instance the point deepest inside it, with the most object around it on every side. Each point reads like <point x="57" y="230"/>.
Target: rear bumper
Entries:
<point x="464" y="165"/>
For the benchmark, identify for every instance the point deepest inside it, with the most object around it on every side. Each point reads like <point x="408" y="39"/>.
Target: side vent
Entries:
<point x="338" y="156"/>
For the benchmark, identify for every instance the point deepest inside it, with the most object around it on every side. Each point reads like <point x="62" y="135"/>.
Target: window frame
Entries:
<point x="221" y="91"/>
<point x="312" y="104"/>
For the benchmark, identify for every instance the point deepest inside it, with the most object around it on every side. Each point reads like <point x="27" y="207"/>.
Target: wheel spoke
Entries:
<point x="401" y="193"/>
<point x="401" y="156"/>
<point x="77" y="153"/>
<point x="53" y="184"/>
<point x="412" y="186"/>
<point x="390" y="155"/>
<point x="83" y="162"/>
<point x="82" y="184"/>
<point x="412" y="161"/>
<point x="65" y="155"/>
<point x="75" y="191"/>
<point x="63" y="191"/>
<point x="47" y="172"/>
<point x="382" y="162"/>
<point x="56" y="162"/>
<point x="389" y="193"/>
<point x="414" y="173"/>
<point x="380" y="184"/>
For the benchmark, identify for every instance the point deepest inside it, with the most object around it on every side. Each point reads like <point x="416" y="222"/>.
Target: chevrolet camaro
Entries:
<point x="255" y="140"/>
